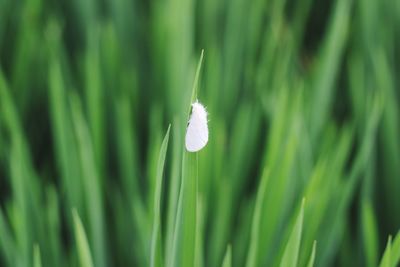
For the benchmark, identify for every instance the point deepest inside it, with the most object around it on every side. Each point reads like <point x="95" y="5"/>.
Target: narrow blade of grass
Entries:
<point x="156" y="257"/>
<point x="21" y="179"/>
<point x="85" y="258"/>
<point x="185" y="227"/>
<point x="256" y="223"/>
<point x="7" y="242"/>
<point x="37" y="261"/>
<point x="65" y="148"/>
<point x="395" y="255"/>
<point x="199" y="252"/>
<point x="227" y="262"/>
<point x="91" y="183"/>
<point x="94" y="95"/>
<point x="291" y="254"/>
<point x="312" y="256"/>
<point x="330" y="58"/>
<point x="370" y="235"/>
<point x="174" y="188"/>
<point x="186" y="218"/>
<point x="196" y="80"/>
<point x="385" y="262"/>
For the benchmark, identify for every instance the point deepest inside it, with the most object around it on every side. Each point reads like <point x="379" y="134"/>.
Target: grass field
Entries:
<point x="302" y="167"/>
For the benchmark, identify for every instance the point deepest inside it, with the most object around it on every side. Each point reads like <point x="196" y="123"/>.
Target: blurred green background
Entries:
<point x="302" y="167"/>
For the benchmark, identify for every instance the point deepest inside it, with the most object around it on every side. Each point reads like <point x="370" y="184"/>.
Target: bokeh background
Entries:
<point x="303" y="103"/>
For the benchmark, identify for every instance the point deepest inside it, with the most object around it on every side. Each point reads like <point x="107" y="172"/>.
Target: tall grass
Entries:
<point x="302" y="165"/>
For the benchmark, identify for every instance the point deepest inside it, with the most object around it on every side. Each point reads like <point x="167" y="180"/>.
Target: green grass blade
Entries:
<point x="174" y="188"/>
<point x="227" y="262"/>
<point x="37" y="261"/>
<point x="184" y="243"/>
<point x="330" y="58"/>
<point x="199" y="246"/>
<point x="196" y="79"/>
<point x="22" y="180"/>
<point x="156" y="257"/>
<point x="370" y="235"/>
<point x="7" y="242"/>
<point x="85" y="258"/>
<point x="127" y="147"/>
<point x="256" y="223"/>
<point x="386" y="259"/>
<point x="91" y="183"/>
<point x="395" y="254"/>
<point x="65" y="148"/>
<point x="186" y="217"/>
<point x="94" y="95"/>
<point x="312" y="256"/>
<point x="291" y="254"/>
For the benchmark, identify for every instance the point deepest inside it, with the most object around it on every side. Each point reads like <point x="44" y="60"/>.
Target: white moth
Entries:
<point x="197" y="129"/>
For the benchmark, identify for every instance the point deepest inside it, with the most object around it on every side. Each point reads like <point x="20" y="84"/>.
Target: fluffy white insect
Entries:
<point x="197" y="130"/>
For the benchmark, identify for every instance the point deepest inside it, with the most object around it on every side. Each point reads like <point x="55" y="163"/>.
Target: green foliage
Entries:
<point x="303" y="103"/>
<point x="291" y="254"/>
<point x="37" y="262"/>
<point x="82" y="245"/>
<point x="228" y="258"/>
<point x="156" y="258"/>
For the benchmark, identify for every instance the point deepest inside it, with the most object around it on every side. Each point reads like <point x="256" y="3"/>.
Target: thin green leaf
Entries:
<point x="386" y="259"/>
<point x="186" y="218"/>
<point x="255" y="228"/>
<point x="7" y="242"/>
<point x="196" y="78"/>
<point x="85" y="258"/>
<point x="199" y="253"/>
<point x="228" y="257"/>
<point x="312" y="256"/>
<point x="395" y="253"/>
<point x="155" y="256"/>
<point x="185" y="225"/>
<point x="65" y="148"/>
<point x="370" y="234"/>
<point x="174" y="187"/>
<point x="329" y="63"/>
<point x="37" y="261"/>
<point x="91" y="182"/>
<point x="291" y="254"/>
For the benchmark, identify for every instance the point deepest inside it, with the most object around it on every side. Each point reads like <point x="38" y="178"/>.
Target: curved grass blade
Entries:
<point x="391" y="256"/>
<point x="255" y="228"/>
<point x="85" y="258"/>
<point x="184" y="243"/>
<point x="196" y="79"/>
<point x="174" y="186"/>
<point x="155" y="256"/>
<point x="312" y="256"/>
<point x="385" y="262"/>
<point x="228" y="257"/>
<point x="291" y="254"/>
<point x="91" y="182"/>
<point x="395" y="255"/>
<point x="184" y="239"/>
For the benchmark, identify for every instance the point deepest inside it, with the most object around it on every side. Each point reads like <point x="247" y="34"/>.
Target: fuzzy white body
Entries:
<point x="197" y="130"/>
